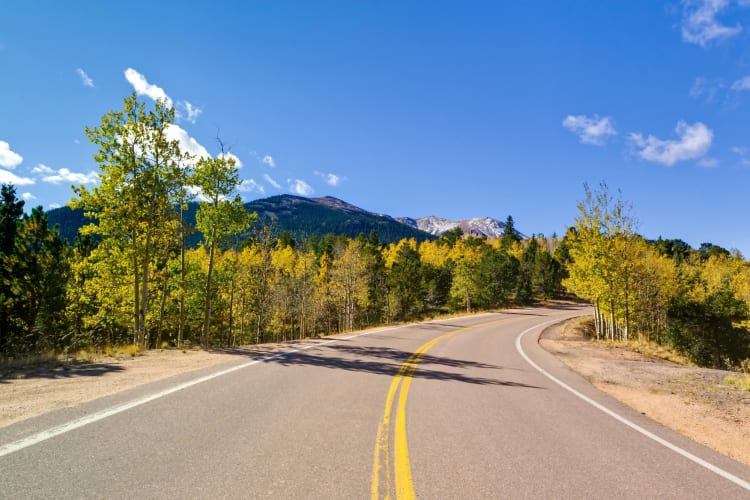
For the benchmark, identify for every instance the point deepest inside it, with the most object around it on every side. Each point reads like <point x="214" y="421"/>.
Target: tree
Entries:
<point x="600" y="249"/>
<point x="219" y="217"/>
<point x="11" y="210"/>
<point x="405" y="281"/>
<point x="134" y="204"/>
<point x="510" y="235"/>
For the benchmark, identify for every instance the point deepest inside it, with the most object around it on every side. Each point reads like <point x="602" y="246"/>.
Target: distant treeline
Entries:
<point x="130" y="276"/>
<point x="266" y="289"/>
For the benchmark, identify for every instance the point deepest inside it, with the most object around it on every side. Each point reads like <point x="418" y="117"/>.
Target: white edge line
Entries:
<point x="44" y="435"/>
<point x="713" y="468"/>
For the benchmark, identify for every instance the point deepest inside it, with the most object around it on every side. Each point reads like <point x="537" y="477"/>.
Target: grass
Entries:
<point x="741" y="382"/>
<point x="51" y="359"/>
<point x="584" y="327"/>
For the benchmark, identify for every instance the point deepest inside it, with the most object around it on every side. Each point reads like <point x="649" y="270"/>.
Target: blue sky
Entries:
<point x="457" y="109"/>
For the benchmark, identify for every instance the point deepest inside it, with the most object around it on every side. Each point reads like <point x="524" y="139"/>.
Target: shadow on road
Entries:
<point x="384" y="361"/>
<point x="60" y="372"/>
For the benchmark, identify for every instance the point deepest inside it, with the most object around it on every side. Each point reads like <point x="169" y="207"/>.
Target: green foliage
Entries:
<point x="708" y="331"/>
<point x="34" y="272"/>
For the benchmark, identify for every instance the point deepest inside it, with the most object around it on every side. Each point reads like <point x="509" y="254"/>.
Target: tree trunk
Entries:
<point x="207" y="312"/>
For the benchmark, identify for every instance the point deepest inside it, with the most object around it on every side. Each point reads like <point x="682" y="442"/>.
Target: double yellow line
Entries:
<point x="401" y="465"/>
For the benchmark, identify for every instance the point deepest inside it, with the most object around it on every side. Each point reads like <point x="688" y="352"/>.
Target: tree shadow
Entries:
<point x="60" y="372"/>
<point x="381" y="361"/>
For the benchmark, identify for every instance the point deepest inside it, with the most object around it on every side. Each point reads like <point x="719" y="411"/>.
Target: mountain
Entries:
<point x="482" y="227"/>
<point x="300" y="217"/>
<point x="306" y="217"/>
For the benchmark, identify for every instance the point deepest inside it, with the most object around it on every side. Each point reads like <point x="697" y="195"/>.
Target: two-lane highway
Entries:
<point x="460" y="408"/>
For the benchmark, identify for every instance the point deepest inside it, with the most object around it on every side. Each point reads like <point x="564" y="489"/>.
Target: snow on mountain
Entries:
<point x="482" y="226"/>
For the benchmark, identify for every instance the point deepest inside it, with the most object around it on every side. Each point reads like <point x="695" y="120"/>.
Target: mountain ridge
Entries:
<point x="304" y="218"/>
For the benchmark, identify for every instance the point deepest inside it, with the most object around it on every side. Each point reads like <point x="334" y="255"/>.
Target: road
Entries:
<point x="459" y="408"/>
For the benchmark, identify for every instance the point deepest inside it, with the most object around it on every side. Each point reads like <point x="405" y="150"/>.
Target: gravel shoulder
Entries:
<point x="690" y="400"/>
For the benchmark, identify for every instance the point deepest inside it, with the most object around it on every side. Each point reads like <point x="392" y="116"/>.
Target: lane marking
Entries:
<point x="71" y="425"/>
<point x="703" y="463"/>
<point x="404" y="484"/>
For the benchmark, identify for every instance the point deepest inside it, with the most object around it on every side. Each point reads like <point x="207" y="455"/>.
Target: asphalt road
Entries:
<point x="460" y="408"/>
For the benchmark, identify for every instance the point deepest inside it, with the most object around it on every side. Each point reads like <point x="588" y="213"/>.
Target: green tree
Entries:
<point x="405" y="283"/>
<point x="41" y="268"/>
<point x="134" y="204"/>
<point x="11" y="210"/>
<point x="510" y="235"/>
<point x="219" y="217"/>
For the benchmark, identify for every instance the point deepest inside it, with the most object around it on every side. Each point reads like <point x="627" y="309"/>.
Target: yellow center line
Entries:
<point x="404" y="485"/>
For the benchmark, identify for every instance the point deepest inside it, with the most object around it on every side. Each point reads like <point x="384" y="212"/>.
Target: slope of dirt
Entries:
<point x="687" y="399"/>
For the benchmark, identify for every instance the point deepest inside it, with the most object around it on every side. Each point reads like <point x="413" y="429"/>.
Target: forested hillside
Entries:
<point x="132" y="276"/>
<point x="301" y="218"/>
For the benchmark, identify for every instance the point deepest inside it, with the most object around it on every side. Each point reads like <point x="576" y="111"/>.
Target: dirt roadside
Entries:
<point x="689" y="400"/>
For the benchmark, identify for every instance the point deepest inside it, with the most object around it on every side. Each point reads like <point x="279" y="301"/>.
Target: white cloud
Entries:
<point x="268" y="160"/>
<point x="187" y="144"/>
<point x="197" y="193"/>
<point x="85" y="79"/>
<point x="271" y="181"/>
<point x="300" y="187"/>
<point x="142" y="87"/>
<point x="193" y="112"/>
<point x="699" y="23"/>
<point x="237" y="161"/>
<point x="741" y="84"/>
<point x="28" y="196"/>
<point x="11" y="178"/>
<point x="57" y="176"/>
<point x="249" y="185"/>
<point x="693" y="142"/>
<point x="8" y="158"/>
<point x="590" y="130"/>
<point x="331" y="179"/>
<point x="54" y="205"/>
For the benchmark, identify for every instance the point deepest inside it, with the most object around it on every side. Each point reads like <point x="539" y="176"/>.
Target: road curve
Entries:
<point x="461" y="408"/>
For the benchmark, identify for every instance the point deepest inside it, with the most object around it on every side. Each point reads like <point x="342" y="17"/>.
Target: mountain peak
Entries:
<point x="479" y="226"/>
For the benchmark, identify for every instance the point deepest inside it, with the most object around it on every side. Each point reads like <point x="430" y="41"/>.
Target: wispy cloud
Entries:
<point x="7" y="177"/>
<point x="268" y="160"/>
<point x="142" y="87"/>
<point x="700" y="24"/>
<point x="741" y="84"/>
<point x="271" y="181"/>
<point x="693" y="142"/>
<point x="192" y="112"/>
<point x="590" y="129"/>
<point x="8" y="158"/>
<point x="28" y="196"/>
<point x="331" y="179"/>
<point x="249" y="186"/>
<point x="85" y="79"/>
<point x="706" y="89"/>
<point x="742" y="153"/>
<point x="708" y="162"/>
<point x="300" y="187"/>
<point x="53" y="176"/>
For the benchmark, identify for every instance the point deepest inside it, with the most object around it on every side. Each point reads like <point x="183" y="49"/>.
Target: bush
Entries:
<point x="707" y="332"/>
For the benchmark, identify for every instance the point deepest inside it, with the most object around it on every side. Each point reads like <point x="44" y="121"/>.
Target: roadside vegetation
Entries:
<point x="130" y="279"/>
